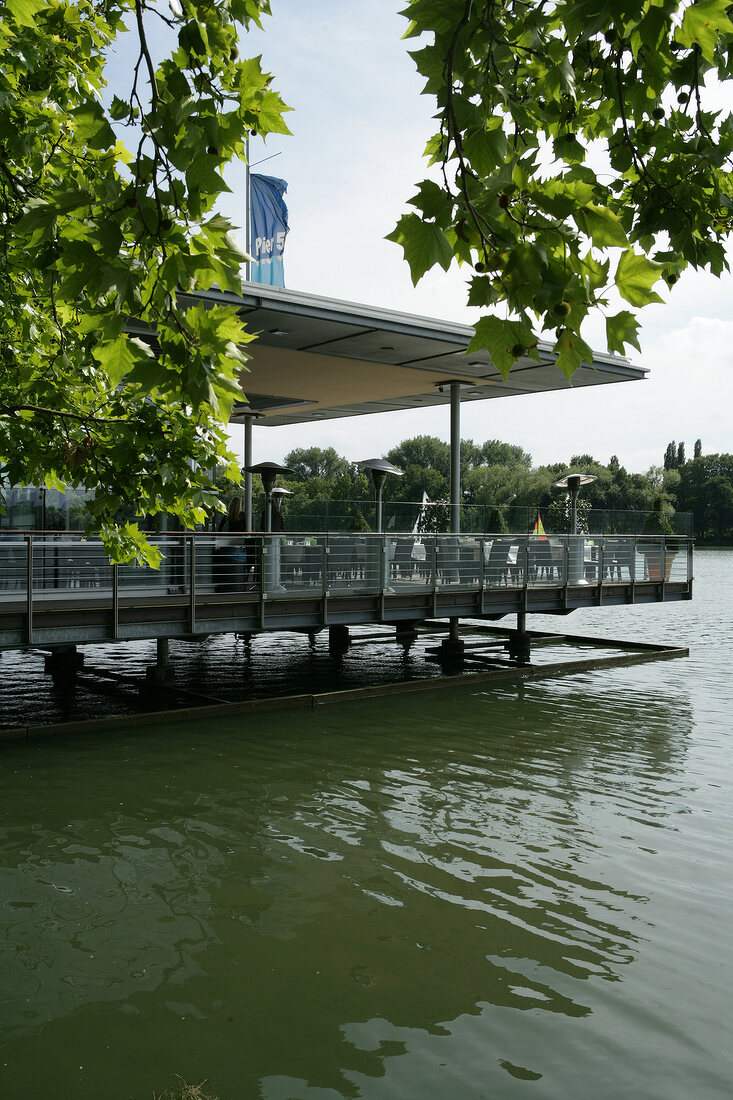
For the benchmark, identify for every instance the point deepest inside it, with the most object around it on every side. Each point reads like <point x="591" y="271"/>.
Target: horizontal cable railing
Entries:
<point x="37" y="567"/>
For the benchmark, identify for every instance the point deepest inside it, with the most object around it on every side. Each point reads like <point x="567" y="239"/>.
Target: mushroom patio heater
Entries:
<point x="278" y="494"/>
<point x="269" y="472"/>
<point x="572" y="483"/>
<point x="379" y="469"/>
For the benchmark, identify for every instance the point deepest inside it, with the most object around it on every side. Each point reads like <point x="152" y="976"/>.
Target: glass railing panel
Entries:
<point x="410" y="563"/>
<point x="469" y="561"/>
<point x="422" y="558"/>
<point x="347" y="563"/>
<point x="545" y="560"/>
<point x="171" y="575"/>
<point x="448" y="558"/>
<point x="650" y="560"/>
<point x="617" y="559"/>
<point x="293" y="565"/>
<point x="224" y="563"/>
<point x="500" y="556"/>
<point x="13" y="565"/>
<point x="66" y="565"/>
<point x="519" y="561"/>
<point x="677" y="562"/>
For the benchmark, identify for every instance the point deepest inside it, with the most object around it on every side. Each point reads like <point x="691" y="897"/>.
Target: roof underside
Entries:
<point x="317" y="358"/>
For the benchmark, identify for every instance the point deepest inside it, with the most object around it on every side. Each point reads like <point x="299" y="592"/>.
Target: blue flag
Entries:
<point x="269" y="228"/>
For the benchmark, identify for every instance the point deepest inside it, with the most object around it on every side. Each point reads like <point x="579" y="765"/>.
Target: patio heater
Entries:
<point x="269" y="472"/>
<point x="279" y="494"/>
<point x="379" y="468"/>
<point x="572" y="483"/>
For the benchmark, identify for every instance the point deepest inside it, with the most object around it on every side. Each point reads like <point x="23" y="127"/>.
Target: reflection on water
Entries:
<point x="475" y="894"/>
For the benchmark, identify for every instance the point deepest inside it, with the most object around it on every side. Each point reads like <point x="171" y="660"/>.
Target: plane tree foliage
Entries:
<point x="500" y="477"/>
<point x="578" y="162"/>
<point x="316" y="462"/>
<point x="107" y="222"/>
<point x="576" y="158"/>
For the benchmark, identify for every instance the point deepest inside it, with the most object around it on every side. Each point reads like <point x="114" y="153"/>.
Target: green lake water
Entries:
<point x="478" y="892"/>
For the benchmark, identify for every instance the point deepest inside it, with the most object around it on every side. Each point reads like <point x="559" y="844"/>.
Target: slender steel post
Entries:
<point x="29" y="592"/>
<point x="115" y="601"/>
<point x="574" y="486"/>
<point x="455" y="485"/>
<point x="247" y="215"/>
<point x="247" y="472"/>
<point x="455" y="458"/>
<point x="192" y="605"/>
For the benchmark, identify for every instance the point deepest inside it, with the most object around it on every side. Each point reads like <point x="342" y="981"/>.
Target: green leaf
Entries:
<point x="499" y="338"/>
<point x="486" y="148"/>
<point x="432" y="201"/>
<point x="25" y="11"/>
<point x="119" y="109"/>
<point x="117" y="358"/>
<point x="270" y="114"/>
<point x="202" y="174"/>
<point x="38" y="215"/>
<point x="635" y="276"/>
<point x="602" y="226"/>
<point x="622" y="329"/>
<point x="571" y="351"/>
<point x="91" y="126"/>
<point x="481" y="291"/>
<point x="702" y="25"/>
<point x="424" y="244"/>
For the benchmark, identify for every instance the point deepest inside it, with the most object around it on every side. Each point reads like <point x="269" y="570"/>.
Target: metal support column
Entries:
<point x="455" y="458"/>
<point x="247" y="220"/>
<point x="519" y="643"/>
<point x="161" y="672"/>
<point x="63" y="663"/>
<point x="247" y="473"/>
<point x="455" y="489"/>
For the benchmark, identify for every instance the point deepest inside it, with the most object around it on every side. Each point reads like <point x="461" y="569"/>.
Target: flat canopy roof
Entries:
<point x="318" y="358"/>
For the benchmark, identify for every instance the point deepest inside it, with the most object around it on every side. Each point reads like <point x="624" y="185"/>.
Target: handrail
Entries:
<point x="79" y="566"/>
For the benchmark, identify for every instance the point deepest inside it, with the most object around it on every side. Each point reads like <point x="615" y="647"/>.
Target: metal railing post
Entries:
<point x="29" y="589"/>
<point x="526" y="573"/>
<point x="115" y="601"/>
<point x="192" y="583"/>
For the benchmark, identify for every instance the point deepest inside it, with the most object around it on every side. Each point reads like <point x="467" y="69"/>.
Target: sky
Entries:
<point x="359" y="126"/>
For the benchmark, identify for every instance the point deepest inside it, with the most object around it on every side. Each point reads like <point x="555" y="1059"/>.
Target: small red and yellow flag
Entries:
<point x="539" y="529"/>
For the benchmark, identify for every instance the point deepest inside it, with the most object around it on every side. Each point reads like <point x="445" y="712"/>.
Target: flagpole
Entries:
<point x="248" y="215"/>
<point x="248" y="419"/>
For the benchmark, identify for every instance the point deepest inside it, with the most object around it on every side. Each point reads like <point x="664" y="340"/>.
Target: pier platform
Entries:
<point x="60" y="590"/>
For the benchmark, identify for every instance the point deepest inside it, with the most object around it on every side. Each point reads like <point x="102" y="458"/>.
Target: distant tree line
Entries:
<point x="501" y="476"/>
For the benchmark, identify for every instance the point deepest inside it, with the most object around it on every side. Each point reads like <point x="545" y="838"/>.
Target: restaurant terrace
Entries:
<point x="314" y="359"/>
